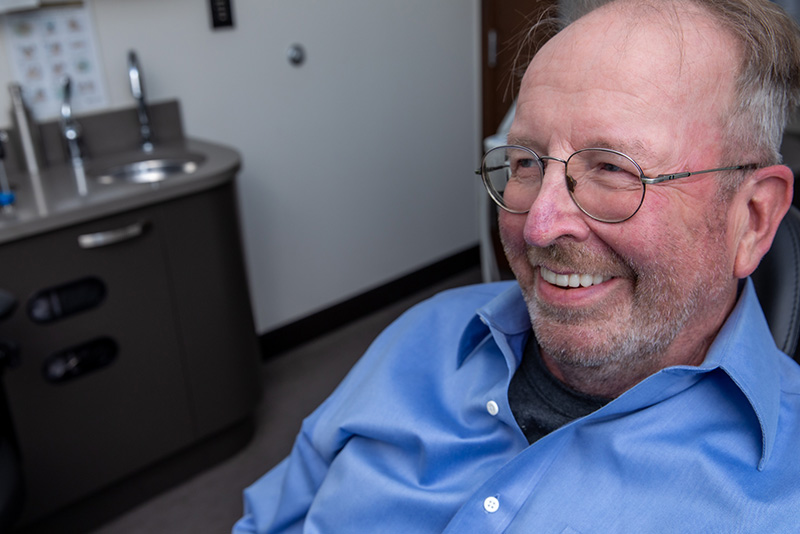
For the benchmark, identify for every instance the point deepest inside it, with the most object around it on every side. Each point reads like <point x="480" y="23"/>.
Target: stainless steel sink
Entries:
<point x="148" y="171"/>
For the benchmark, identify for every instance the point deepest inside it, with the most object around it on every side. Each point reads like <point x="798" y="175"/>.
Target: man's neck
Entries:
<point x="613" y="378"/>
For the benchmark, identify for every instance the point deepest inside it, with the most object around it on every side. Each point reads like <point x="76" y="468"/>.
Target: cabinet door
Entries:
<point x="81" y="434"/>
<point x="214" y="317"/>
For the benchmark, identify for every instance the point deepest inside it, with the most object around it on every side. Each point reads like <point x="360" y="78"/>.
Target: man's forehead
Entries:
<point x="678" y="53"/>
<point x="660" y="94"/>
<point x="625" y="25"/>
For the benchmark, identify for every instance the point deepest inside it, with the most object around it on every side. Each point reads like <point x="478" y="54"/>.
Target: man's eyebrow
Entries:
<point x="520" y="141"/>
<point x="631" y="148"/>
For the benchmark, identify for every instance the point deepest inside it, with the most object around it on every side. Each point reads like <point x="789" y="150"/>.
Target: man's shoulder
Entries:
<point x="459" y="305"/>
<point x="421" y="346"/>
<point x="478" y="293"/>
<point x="443" y="318"/>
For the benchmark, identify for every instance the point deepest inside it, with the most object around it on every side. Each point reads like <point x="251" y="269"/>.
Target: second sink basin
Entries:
<point x="152" y="168"/>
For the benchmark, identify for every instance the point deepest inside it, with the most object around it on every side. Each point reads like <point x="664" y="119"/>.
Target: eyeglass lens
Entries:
<point x="605" y="185"/>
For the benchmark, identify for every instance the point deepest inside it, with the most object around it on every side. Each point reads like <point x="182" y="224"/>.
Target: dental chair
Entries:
<point x="11" y="488"/>
<point x="777" y="281"/>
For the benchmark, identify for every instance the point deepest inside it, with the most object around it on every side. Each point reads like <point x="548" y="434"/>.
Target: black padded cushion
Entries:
<point x="11" y="485"/>
<point x="777" y="282"/>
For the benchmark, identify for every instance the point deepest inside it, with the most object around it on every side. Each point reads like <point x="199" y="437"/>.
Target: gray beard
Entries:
<point x="663" y="304"/>
<point x="648" y="334"/>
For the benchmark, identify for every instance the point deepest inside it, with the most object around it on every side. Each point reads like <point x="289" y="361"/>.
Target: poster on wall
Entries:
<point x="48" y="44"/>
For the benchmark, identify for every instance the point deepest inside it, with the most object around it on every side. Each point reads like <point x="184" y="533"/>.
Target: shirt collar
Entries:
<point x="506" y="315"/>
<point x="739" y="349"/>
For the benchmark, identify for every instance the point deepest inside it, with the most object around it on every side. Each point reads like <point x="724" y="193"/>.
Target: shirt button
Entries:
<point x="491" y="504"/>
<point x="492" y="408"/>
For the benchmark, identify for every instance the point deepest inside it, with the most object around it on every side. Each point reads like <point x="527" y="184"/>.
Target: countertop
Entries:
<point x="60" y="205"/>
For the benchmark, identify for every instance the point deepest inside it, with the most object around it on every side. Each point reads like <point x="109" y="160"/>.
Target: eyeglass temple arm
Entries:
<point x="666" y="177"/>
<point x="491" y="169"/>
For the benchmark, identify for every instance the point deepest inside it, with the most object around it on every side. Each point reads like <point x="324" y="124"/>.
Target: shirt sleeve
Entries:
<point x="278" y="502"/>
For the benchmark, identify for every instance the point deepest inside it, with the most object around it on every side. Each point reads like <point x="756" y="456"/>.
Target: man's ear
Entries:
<point x="762" y="201"/>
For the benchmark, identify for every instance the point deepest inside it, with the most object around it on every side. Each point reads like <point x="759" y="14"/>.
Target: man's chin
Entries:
<point x="611" y="313"/>
<point x="578" y="344"/>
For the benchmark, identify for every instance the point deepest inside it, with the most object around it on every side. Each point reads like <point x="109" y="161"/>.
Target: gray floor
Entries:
<point x="294" y="384"/>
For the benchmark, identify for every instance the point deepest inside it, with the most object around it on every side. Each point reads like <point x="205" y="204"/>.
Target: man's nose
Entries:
<point x="554" y="215"/>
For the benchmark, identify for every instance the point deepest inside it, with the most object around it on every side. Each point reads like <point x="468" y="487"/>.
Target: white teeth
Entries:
<point x="548" y="275"/>
<point x="572" y="280"/>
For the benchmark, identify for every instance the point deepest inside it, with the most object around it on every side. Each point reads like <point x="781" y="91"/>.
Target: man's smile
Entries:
<point x="573" y="279"/>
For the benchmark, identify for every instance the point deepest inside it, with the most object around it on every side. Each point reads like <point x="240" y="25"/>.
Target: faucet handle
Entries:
<point x="69" y="126"/>
<point x="66" y="98"/>
<point x="137" y="88"/>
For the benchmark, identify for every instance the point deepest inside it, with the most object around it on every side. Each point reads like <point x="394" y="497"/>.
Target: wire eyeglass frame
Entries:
<point x="497" y="197"/>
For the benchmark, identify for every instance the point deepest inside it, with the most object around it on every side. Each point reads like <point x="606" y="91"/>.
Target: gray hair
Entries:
<point x="768" y="81"/>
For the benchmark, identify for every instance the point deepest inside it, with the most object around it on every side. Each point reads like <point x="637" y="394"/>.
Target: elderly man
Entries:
<point x="627" y="381"/>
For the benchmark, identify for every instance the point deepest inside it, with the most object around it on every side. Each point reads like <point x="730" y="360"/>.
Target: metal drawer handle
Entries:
<point x="111" y="237"/>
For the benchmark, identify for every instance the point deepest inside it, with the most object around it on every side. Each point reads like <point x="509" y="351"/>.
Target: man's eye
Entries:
<point x="610" y="167"/>
<point x="526" y="163"/>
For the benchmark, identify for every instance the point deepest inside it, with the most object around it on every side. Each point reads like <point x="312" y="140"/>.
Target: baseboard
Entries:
<point x="278" y="341"/>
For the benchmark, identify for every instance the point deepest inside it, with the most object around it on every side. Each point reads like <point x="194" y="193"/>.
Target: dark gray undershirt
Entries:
<point x="540" y="402"/>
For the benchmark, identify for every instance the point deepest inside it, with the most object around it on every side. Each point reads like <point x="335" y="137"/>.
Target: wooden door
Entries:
<point x="505" y="23"/>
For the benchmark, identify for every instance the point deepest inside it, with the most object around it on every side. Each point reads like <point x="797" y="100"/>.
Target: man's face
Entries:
<point x="663" y="280"/>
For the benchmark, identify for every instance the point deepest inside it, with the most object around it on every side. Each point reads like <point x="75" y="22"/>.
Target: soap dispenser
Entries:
<point x="7" y="197"/>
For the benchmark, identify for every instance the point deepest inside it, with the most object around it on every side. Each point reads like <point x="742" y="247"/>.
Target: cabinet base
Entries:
<point x="107" y="504"/>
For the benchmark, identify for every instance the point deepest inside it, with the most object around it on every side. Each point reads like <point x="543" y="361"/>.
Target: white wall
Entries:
<point x="357" y="165"/>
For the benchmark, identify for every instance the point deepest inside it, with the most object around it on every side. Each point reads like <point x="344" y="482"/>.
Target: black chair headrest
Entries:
<point x="777" y="282"/>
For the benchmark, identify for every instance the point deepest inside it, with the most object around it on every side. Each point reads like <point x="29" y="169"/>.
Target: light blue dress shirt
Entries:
<point x="420" y="438"/>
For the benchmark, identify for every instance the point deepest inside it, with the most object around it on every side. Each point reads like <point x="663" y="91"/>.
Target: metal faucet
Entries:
<point x="72" y="133"/>
<point x="137" y="90"/>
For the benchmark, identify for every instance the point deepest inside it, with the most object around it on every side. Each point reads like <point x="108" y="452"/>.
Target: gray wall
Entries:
<point x="357" y="166"/>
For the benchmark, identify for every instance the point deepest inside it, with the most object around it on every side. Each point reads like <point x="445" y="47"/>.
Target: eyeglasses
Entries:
<point x="606" y="185"/>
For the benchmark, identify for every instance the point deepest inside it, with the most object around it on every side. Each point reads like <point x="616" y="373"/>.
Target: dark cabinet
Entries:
<point x="153" y="303"/>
